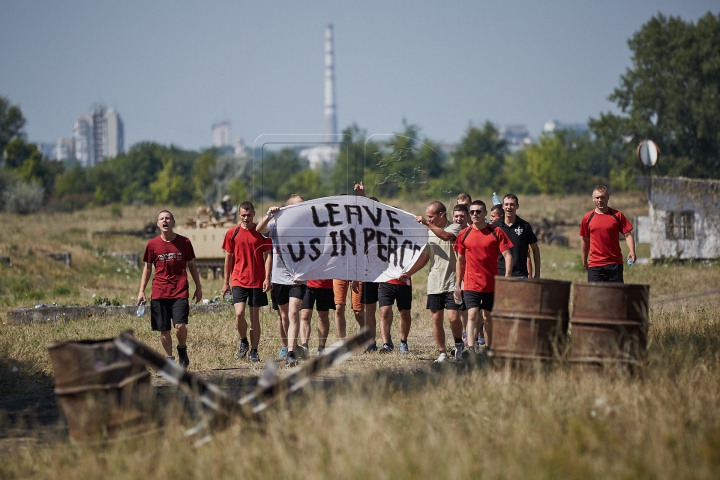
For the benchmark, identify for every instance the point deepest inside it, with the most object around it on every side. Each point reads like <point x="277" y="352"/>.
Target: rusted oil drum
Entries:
<point x="102" y="391"/>
<point x="609" y="325"/>
<point x="529" y="319"/>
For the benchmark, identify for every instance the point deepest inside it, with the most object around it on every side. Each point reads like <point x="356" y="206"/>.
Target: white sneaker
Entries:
<point x="441" y="358"/>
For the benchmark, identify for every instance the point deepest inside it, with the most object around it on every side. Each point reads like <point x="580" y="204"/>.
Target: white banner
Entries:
<point x="347" y="238"/>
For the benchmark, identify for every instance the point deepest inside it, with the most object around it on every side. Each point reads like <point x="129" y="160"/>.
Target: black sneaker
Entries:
<point x="320" y="351"/>
<point x="371" y="348"/>
<point x="243" y="350"/>
<point x="303" y="352"/>
<point x="182" y="356"/>
<point x="254" y="357"/>
<point x="387" y="348"/>
<point x="290" y="359"/>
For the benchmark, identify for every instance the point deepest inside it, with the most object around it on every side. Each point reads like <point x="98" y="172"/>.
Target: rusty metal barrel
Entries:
<point x="609" y="325"/>
<point x="529" y="319"/>
<point x="102" y="391"/>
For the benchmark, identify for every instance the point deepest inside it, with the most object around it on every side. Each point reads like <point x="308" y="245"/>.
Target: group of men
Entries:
<point x="464" y="256"/>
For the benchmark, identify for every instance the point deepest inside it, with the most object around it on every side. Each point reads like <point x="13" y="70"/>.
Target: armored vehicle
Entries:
<point x="206" y="232"/>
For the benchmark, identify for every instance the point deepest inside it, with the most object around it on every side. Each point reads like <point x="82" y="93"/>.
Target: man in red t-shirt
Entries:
<point x="318" y="294"/>
<point x="600" y="230"/>
<point x="248" y="260"/>
<point x="478" y="247"/>
<point x="171" y="254"/>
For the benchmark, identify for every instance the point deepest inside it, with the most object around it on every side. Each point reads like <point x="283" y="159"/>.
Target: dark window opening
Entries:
<point x="680" y="226"/>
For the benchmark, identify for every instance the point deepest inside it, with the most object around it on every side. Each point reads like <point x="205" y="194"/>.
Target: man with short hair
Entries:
<point x="248" y="261"/>
<point x="522" y="237"/>
<point x="464" y="199"/>
<point x="600" y="230"/>
<point x="478" y="247"/>
<point x="441" y="276"/>
<point x="171" y="255"/>
<point x="288" y="293"/>
<point x="496" y="213"/>
<point x="461" y="216"/>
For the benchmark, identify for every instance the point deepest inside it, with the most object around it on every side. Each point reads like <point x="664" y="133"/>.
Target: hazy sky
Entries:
<point x="172" y="68"/>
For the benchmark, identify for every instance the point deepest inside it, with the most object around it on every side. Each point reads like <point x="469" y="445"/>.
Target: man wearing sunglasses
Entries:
<point x="478" y="247"/>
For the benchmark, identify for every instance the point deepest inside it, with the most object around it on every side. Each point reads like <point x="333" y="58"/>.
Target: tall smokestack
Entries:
<point x="331" y="129"/>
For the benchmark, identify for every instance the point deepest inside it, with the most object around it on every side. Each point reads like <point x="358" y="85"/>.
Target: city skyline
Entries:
<point x="174" y="71"/>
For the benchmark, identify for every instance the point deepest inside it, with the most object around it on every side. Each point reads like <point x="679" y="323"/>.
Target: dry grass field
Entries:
<point x="374" y="416"/>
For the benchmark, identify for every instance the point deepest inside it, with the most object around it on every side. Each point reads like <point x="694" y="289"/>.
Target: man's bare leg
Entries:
<point x="370" y="320"/>
<point x="464" y="320"/>
<point x="254" y="327"/>
<point x="340" y="324"/>
<point x="282" y="328"/>
<point x="166" y="342"/>
<point x="360" y="317"/>
<point x="293" y="309"/>
<point x="323" y="328"/>
<point x="438" y="329"/>
<point x="472" y="326"/>
<point x="405" y="322"/>
<point x="386" y="318"/>
<point x="305" y="325"/>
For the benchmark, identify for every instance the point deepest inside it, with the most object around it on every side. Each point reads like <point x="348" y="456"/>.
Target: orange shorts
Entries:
<point x="340" y="289"/>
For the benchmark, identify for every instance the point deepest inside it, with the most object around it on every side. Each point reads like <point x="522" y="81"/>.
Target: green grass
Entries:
<point x="374" y="416"/>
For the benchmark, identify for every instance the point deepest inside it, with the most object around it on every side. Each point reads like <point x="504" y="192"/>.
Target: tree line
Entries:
<point x="671" y="94"/>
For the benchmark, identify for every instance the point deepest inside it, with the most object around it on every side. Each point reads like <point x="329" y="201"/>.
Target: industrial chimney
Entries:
<point x="331" y="128"/>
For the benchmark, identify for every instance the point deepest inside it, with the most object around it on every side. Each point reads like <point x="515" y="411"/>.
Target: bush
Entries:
<point x="23" y="197"/>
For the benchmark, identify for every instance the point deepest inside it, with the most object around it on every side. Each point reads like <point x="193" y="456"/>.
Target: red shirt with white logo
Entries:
<point x="481" y="249"/>
<point x="248" y="247"/>
<point x="170" y="261"/>
<point x="604" y="230"/>
<point x="320" y="283"/>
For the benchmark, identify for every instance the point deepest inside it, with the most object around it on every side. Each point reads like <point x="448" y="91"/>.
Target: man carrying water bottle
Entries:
<point x="171" y="255"/>
<point x="600" y="230"/>
<point x="441" y="277"/>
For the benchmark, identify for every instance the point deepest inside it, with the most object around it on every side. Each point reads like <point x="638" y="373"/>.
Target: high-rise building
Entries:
<point x="98" y="135"/>
<point x="64" y="149"/>
<point x="221" y="134"/>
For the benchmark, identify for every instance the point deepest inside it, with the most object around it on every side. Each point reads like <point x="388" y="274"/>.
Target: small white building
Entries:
<point x="684" y="218"/>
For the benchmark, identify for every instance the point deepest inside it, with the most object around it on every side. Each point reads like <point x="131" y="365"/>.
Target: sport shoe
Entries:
<point x="371" y="348"/>
<point x="254" y="357"/>
<point x="320" y="351"/>
<point x="459" y="350"/>
<point x="283" y="353"/>
<point x="242" y="351"/>
<point x="303" y="352"/>
<point x="290" y="359"/>
<point x="481" y="339"/>
<point x="182" y="356"/>
<point x="404" y="348"/>
<point x="441" y="358"/>
<point x="387" y="348"/>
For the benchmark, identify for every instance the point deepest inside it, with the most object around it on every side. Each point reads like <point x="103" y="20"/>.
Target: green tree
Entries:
<point x="26" y="160"/>
<point x="201" y="172"/>
<point x="274" y="170"/>
<point x="671" y="94"/>
<point x="11" y="123"/>
<point x="170" y="186"/>
<point x="308" y="183"/>
<point x="484" y="150"/>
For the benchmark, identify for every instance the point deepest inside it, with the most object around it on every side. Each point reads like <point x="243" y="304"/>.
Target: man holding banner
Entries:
<point x="441" y="277"/>
<point x="247" y="259"/>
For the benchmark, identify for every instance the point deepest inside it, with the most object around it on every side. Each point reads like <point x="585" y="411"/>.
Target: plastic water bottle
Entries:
<point x="141" y="309"/>
<point x="630" y="262"/>
<point x="228" y="297"/>
<point x="496" y="199"/>
<point x="455" y="298"/>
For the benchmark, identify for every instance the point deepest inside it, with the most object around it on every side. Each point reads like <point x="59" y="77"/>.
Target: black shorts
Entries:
<point x="442" y="301"/>
<point x="284" y="292"/>
<point x="163" y="310"/>
<point x="369" y="294"/>
<point x="273" y="302"/>
<point x="479" y="300"/>
<point x="324" y="297"/>
<point x="254" y="297"/>
<point x="606" y="273"/>
<point x="390" y="293"/>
